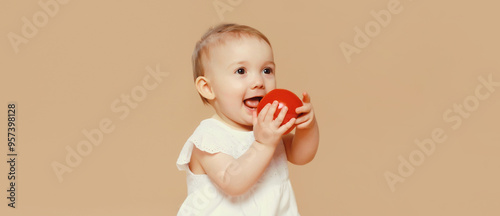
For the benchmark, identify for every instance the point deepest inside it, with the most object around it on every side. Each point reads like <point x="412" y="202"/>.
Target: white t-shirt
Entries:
<point x="271" y="195"/>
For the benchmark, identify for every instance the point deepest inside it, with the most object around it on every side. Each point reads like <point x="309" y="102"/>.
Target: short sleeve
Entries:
<point x="211" y="137"/>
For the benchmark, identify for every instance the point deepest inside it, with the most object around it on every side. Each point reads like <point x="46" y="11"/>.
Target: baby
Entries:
<point x="236" y="161"/>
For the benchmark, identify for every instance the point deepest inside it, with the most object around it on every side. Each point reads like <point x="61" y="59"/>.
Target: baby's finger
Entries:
<point x="304" y="108"/>
<point x="302" y="119"/>
<point x="306" y="98"/>
<point x="286" y="126"/>
<point x="263" y="112"/>
<point x="272" y="109"/>
<point x="254" y="117"/>
<point x="281" y="116"/>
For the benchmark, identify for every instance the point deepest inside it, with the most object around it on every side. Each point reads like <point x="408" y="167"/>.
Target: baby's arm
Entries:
<point x="301" y="147"/>
<point x="236" y="176"/>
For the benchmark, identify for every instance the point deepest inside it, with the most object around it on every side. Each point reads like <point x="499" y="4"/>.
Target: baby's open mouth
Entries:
<point x="252" y="102"/>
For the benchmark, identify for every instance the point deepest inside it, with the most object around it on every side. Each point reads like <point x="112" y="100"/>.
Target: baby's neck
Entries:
<point x="232" y="124"/>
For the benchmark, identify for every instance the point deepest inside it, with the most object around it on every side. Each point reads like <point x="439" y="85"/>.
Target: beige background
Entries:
<point x="370" y="111"/>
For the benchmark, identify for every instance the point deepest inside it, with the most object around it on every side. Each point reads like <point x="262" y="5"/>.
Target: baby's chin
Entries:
<point x="246" y="124"/>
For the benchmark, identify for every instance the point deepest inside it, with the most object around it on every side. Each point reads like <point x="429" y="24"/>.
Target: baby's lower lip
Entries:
<point x="250" y="108"/>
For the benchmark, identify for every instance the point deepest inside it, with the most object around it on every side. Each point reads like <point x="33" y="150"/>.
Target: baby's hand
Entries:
<point x="268" y="131"/>
<point x="306" y="117"/>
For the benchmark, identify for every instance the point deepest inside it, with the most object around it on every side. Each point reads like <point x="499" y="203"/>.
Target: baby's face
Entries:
<point x="241" y="72"/>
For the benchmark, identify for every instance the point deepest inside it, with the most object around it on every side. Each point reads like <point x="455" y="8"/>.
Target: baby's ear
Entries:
<point x="204" y="88"/>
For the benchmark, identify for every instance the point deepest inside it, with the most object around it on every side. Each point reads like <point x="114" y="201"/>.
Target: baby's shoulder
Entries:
<point x="213" y="136"/>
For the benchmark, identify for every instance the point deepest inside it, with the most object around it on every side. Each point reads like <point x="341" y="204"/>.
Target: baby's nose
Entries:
<point x="257" y="82"/>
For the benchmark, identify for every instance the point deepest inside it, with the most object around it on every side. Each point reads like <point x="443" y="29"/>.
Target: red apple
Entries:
<point x="284" y="98"/>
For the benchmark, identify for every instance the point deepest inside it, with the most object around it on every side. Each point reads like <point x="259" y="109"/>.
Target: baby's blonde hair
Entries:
<point x="215" y="36"/>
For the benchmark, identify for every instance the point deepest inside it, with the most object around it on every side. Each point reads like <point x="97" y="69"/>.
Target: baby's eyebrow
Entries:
<point x="270" y="62"/>
<point x="246" y="62"/>
<point x="237" y="63"/>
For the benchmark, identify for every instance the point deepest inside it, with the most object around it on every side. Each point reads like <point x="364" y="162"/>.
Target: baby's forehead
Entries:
<point x="233" y="39"/>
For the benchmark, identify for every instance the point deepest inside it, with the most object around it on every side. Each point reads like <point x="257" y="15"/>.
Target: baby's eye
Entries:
<point x="240" y="71"/>
<point x="267" y="71"/>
